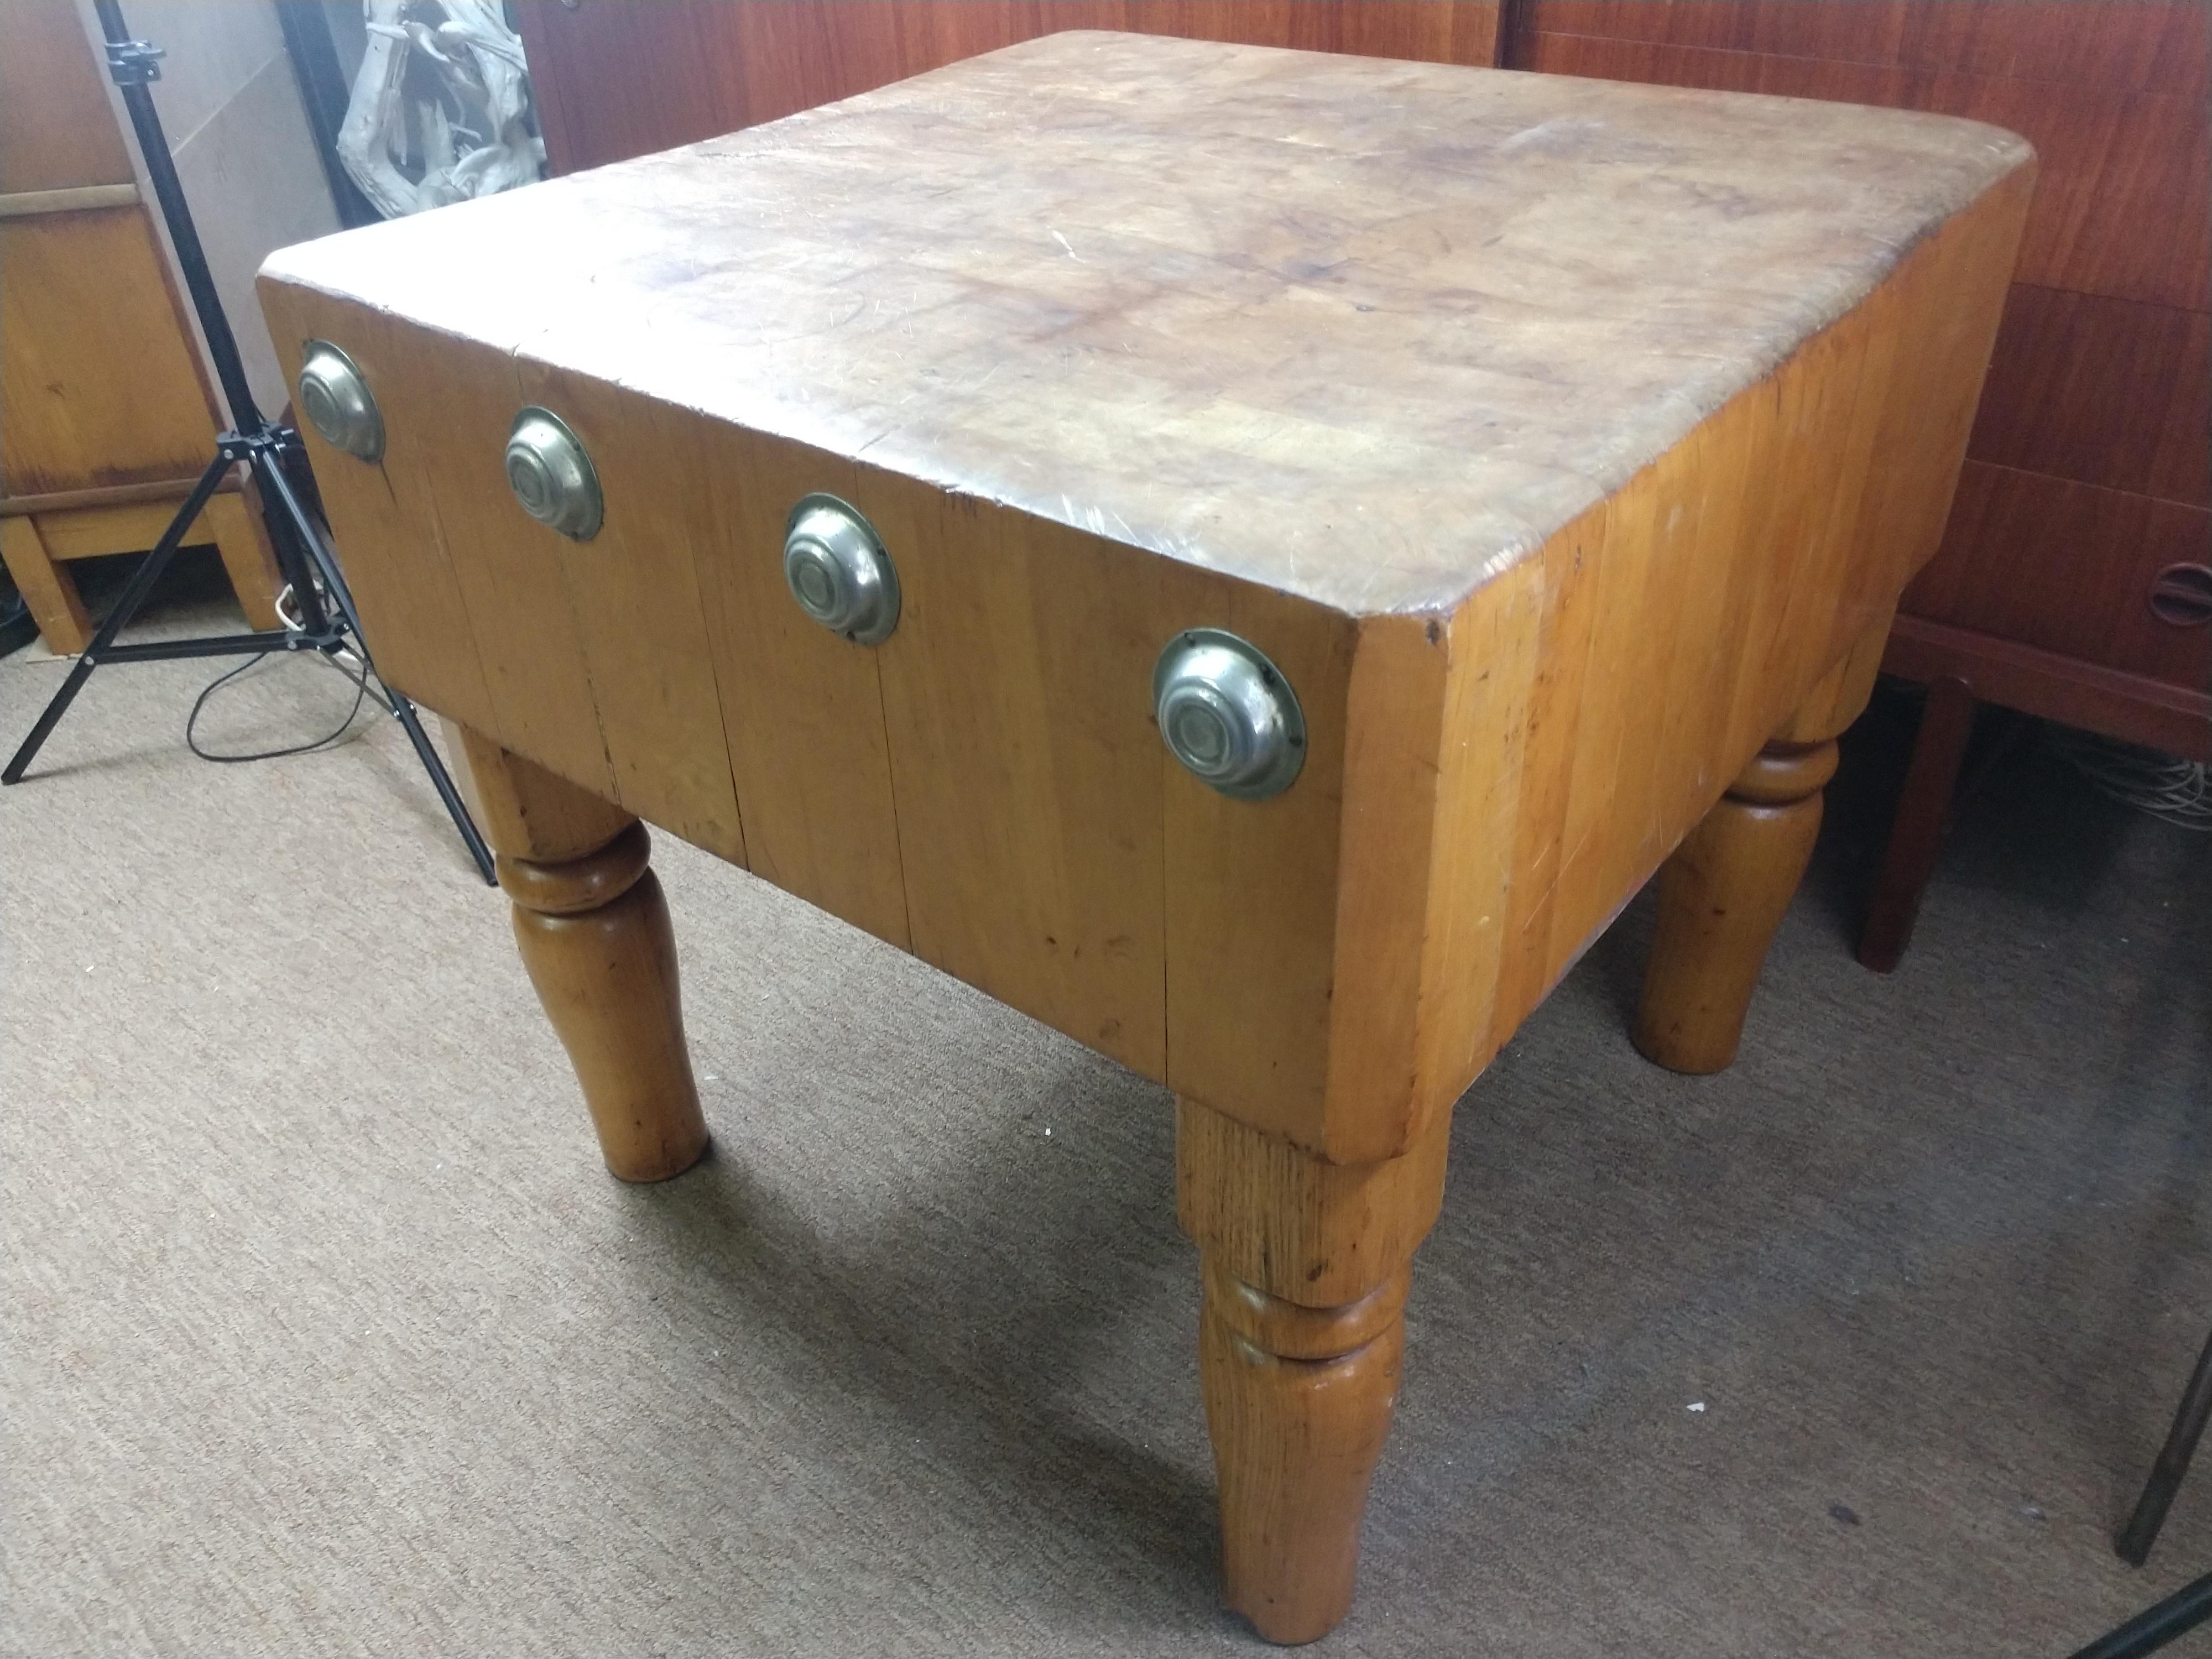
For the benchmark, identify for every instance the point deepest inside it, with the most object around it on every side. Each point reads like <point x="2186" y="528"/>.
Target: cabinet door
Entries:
<point x="2071" y="569"/>
<point x="97" y="385"/>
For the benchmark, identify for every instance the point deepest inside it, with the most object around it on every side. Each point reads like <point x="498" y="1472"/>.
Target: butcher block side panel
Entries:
<point x="633" y="591"/>
<point x="389" y="540"/>
<point x="1600" y="699"/>
<point x="1254" y="963"/>
<point x="1024" y="763"/>
<point x="802" y="708"/>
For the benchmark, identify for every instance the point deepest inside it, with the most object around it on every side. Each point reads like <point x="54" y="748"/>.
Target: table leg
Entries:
<point x="1305" y="1268"/>
<point x="1723" y="893"/>
<point x="593" y="932"/>
<point x="1916" y="832"/>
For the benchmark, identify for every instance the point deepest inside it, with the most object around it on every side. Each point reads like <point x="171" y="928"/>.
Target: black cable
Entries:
<point x="191" y="742"/>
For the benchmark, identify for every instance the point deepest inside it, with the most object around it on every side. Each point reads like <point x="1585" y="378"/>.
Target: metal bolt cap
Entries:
<point x="552" y="475"/>
<point x="334" y="396"/>
<point x="1228" y="715"/>
<point x="838" y="571"/>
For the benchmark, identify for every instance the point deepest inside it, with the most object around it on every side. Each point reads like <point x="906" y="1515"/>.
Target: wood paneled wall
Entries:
<point x="2090" y="467"/>
<point x="618" y="78"/>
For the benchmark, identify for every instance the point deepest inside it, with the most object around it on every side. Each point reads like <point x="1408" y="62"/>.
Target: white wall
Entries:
<point x="239" y="138"/>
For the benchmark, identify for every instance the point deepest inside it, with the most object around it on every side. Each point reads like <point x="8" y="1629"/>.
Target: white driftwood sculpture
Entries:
<point x="477" y="62"/>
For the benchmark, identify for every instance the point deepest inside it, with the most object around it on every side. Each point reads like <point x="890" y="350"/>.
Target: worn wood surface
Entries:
<point x="1564" y="276"/>
<point x="1091" y="397"/>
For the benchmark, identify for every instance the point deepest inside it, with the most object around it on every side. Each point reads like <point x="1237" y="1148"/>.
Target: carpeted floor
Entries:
<point x="326" y="1332"/>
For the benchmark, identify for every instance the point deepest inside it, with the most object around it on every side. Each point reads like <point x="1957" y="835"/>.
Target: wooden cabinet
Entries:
<point x="106" y="418"/>
<point x="618" y="78"/>
<point x="2086" y="500"/>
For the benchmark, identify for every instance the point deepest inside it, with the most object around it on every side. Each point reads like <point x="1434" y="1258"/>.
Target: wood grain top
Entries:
<point x="1363" y="331"/>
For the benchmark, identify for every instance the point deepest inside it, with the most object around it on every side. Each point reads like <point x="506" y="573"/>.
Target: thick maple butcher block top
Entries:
<point x="1367" y="332"/>
<point x="1548" y="441"/>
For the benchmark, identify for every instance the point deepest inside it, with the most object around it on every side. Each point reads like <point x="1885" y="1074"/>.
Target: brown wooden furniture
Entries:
<point x="107" y="418"/>
<point x="1560" y="446"/>
<point x="2073" y="580"/>
<point x="691" y="68"/>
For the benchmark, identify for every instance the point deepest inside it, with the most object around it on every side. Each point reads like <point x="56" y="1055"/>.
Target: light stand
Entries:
<point x="328" y="620"/>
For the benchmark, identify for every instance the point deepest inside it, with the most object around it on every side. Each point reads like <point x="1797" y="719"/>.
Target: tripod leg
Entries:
<point x="292" y="525"/>
<point x="593" y="933"/>
<point x="411" y="723"/>
<point x="2133" y="1545"/>
<point x="141" y="583"/>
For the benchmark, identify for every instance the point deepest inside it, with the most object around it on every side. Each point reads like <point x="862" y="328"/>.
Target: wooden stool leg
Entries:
<point x="594" y="935"/>
<point x="1305" y="1269"/>
<point x="1916" y="834"/>
<point x="46" y="587"/>
<point x="1723" y="893"/>
<point x="247" y="558"/>
<point x="1720" y="899"/>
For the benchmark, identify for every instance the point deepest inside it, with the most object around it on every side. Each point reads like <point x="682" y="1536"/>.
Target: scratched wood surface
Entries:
<point x="1172" y="339"/>
<point x="1555" y="438"/>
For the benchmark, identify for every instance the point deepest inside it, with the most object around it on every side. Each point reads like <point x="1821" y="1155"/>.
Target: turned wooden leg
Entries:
<point x="1305" y="1268"/>
<point x="1722" y="895"/>
<point x="594" y="935"/>
<point x="1720" y="899"/>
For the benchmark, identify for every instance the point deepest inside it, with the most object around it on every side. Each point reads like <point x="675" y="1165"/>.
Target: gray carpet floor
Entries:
<point x="327" y="1333"/>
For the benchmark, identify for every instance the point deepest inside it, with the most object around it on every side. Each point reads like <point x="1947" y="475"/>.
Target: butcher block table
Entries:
<point x="1249" y="557"/>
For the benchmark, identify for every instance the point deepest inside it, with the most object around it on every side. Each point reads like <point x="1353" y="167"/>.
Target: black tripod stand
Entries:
<point x="328" y="622"/>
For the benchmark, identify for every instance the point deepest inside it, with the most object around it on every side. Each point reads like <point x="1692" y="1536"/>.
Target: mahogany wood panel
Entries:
<point x="2176" y="719"/>
<point x="2101" y="392"/>
<point x="686" y="70"/>
<point x="2066" y="568"/>
<point x="2123" y="46"/>
<point x="2123" y="206"/>
<point x="1524" y="683"/>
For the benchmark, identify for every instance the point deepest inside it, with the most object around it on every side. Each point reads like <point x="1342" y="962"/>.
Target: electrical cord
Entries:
<point x="2176" y="791"/>
<point x="360" y="693"/>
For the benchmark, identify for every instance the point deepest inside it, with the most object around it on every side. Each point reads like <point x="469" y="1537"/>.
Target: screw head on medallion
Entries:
<point x="334" y="396"/>
<point x="552" y="475"/>
<point x="1228" y="714"/>
<point x="835" y="567"/>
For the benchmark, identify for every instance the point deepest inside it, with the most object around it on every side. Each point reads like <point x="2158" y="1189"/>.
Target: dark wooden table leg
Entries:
<point x="1306" y="1265"/>
<point x="1916" y="834"/>
<point x="593" y="932"/>
<point x="1723" y="893"/>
